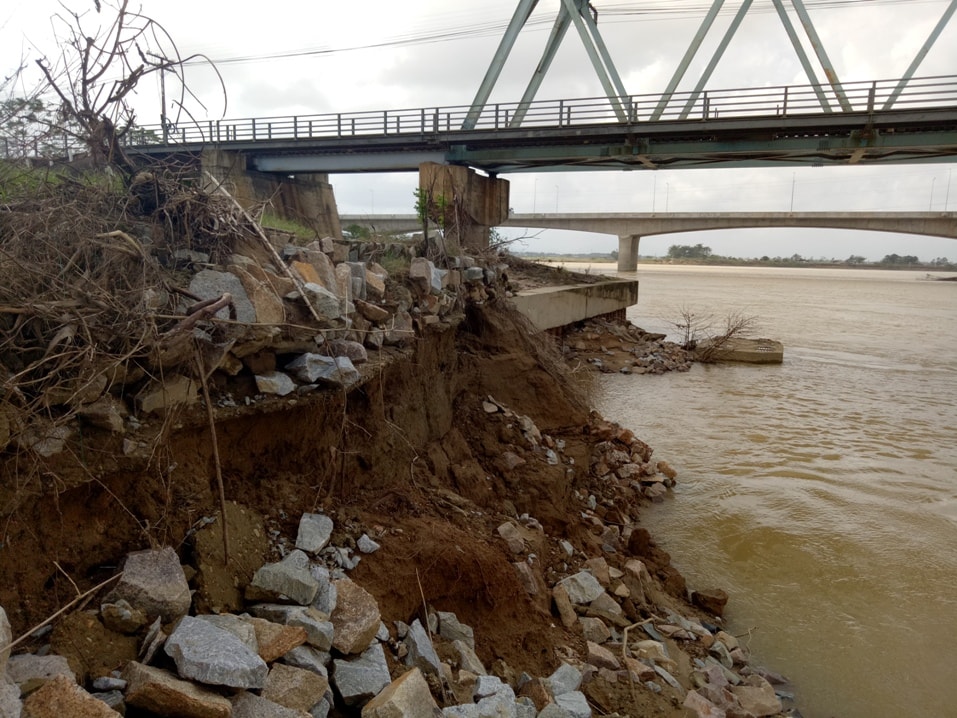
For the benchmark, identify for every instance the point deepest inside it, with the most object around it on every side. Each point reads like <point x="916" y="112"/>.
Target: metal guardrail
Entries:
<point x="781" y="102"/>
<point x="765" y="102"/>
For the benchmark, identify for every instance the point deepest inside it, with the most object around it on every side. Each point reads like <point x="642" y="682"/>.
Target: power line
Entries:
<point x="614" y="12"/>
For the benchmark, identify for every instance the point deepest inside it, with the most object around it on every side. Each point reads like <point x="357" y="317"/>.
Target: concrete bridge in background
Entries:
<point x="630" y="227"/>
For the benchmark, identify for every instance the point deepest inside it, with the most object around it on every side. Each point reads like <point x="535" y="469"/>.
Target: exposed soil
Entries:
<point x="410" y="457"/>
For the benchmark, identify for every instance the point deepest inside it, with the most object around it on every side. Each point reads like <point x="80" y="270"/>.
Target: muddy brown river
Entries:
<point x="821" y="493"/>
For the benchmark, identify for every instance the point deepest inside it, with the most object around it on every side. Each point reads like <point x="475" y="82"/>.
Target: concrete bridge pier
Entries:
<point x="463" y="203"/>
<point x="305" y="198"/>
<point x="628" y="252"/>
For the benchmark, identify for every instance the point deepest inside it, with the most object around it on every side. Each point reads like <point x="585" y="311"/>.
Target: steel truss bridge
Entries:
<point x="823" y="122"/>
<point x="743" y="127"/>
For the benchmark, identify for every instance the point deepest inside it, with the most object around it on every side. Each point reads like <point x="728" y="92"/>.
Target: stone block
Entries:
<point x="62" y="697"/>
<point x="274" y="639"/>
<point x="356" y="618"/>
<point x="210" y="284"/>
<point x="175" y="390"/>
<point x="311" y="368"/>
<point x="422" y="653"/>
<point x="208" y="654"/>
<point x="30" y="672"/>
<point x="315" y="530"/>
<point x="266" y="303"/>
<point x="451" y="629"/>
<point x="162" y="693"/>
<point x="285" y="578"/>
<point x="318" y="629"/>
<point x="249" y="705"/>
<point x="6" y="638"/>
<point x="359" y="679"/>
<point x="153" y="581"/>
<point x="295" y="688"/>
<point x="582" y="587"/>
<point x="408" y="696"/>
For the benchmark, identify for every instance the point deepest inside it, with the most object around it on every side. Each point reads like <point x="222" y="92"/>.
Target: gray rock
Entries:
<point x="114" y="699"/>
<point x="309" y="658"/>
<point x="327" y="595"/>
<point x="310" y="368"/>
<point x="30" y="671"/>
<point x="525" y="707"/>
<point x="286" y="578"/>
<point x="319" y="631"/>
<point x="108" y="683"/>
<point x="153" y="582"/>
<point x="10" y="705"/>
<point x="325" y="302"/>
<point x="594" y="629"/>
<point x="347" y="348"/>
<point x="669" y="679"/>
<point x="720" y="651"/>
<point x="400" y="330"/>
<point x="422" y="653"/>
<point x="243" y="630"/>
<point x="322" y="708"/>
<point x="249" y="705"/>
<point x="210" y="284"/>
<point x="553" y="710"/>
<point x="606" y="604"/>
<point x="486" y="686"/>
<point x="275" y="383"/>
<point x="582" y="587"/>
<point x="315" y="530"/>
<point x="575" y="703"/>
<point x="565" y="679"/>
<point x="367" y="545"/>
<point x="474" y="274"/>
<point x="361" y="678"/>
<point x="498" y="705"/>
<point x="211" y="655"/>
<point x="468" y="659"/>
<point x="451" y="629"/>
<point x="6" y="638"/>
<point x="421" y="273"/>
<point x="465" y="710"/>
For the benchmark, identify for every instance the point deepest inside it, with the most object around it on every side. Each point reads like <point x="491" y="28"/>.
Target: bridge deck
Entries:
<point x="741" y="127"/>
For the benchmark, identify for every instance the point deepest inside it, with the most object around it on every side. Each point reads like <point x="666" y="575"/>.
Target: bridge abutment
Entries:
<point x="628" y="252"/>
<point x="307" y="199"/>
<point x="464" y="203"/>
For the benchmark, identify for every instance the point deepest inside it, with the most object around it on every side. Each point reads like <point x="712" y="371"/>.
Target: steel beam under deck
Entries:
<point x="899" y="136"/>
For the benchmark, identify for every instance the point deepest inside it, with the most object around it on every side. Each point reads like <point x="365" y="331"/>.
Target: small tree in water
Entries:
<point x="703" y="334"/>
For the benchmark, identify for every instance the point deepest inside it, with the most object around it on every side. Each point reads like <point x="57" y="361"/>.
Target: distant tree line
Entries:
<point x="703" y="253"/>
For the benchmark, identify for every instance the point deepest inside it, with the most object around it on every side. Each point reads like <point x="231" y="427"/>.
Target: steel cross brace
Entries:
<point x="571" y="12"/>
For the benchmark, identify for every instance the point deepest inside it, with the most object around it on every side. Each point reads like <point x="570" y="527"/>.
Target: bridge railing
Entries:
<point x="779" y="101"/>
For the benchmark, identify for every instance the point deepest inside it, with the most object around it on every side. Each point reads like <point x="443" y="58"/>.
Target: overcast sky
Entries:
<point x="294" y="57"/>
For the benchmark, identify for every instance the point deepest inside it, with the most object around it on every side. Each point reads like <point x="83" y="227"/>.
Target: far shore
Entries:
<point x="739" y="262"/>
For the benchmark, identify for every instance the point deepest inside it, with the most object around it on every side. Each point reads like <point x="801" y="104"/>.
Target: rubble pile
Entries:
<point x="136" y="321"/>
<point x="617" y="347"/>
<point x="300" y="637"/>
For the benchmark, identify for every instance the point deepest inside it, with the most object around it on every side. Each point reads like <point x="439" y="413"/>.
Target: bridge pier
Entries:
<point x="305" y="198"/>
<point x="628" y="252"/>
<point x="465" y="204"/>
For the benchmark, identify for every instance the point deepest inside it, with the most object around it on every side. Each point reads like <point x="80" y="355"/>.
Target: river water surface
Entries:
<point x="821" y="493"/>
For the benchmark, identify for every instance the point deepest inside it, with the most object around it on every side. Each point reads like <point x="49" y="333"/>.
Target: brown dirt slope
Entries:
<point x="411" y="455"/>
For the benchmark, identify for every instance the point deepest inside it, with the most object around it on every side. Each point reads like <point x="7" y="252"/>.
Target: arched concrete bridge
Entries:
<point x="630" y="227"/>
